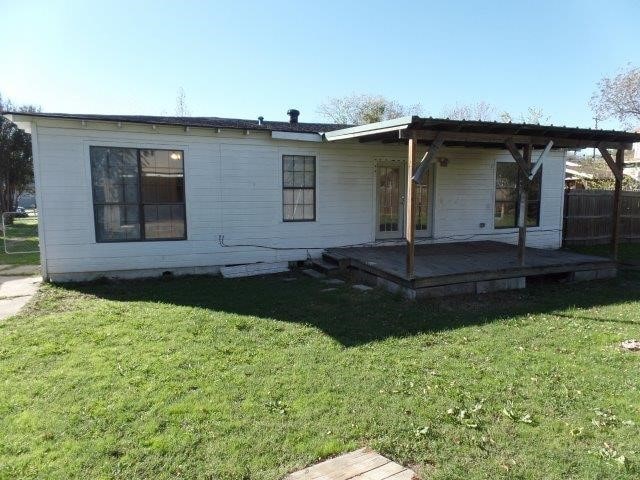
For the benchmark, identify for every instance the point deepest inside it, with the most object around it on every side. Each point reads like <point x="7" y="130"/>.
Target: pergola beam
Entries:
<point x="499" y="139"/>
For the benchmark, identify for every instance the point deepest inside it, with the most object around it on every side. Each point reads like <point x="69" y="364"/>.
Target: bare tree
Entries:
<point x="482" y="111"/>
<point x="486" y="112"/>
<point x="358" y="109"/>
<point x="532" y="115"/>
<point x="6" y="105"/>
<point x="181" y="104"/>
<point x="619" y="97"/>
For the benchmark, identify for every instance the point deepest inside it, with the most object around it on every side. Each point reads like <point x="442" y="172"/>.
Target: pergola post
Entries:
<point x="523" y="195"/>
<point x="617" y="168"/>
<point x="617" y="204"/>
<point x="410" y="207"/>
<point x="525" y="176"/>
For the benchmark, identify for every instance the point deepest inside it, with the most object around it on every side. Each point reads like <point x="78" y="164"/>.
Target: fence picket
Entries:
<point x="588" y="217"/>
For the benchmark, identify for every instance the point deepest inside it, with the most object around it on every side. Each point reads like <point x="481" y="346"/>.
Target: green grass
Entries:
<point x="251" y="378"/>
<point x="22" y="236"/>
<point x="628" y="252"/>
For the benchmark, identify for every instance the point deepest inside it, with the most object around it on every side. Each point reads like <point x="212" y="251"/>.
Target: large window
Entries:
<point x="138" y="194"/>
<point x="298" y="188"/>
<point x="508" y="183"/>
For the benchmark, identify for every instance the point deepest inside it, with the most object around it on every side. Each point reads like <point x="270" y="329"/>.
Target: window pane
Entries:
<point x="308" y="196"/>
<point x="506" y="175"/>
<point x="298" y="180"/>
<point x="299" y="204"/>
<point x="535" y="186"/>
<point x="533" y="214"/>
<point x="117" y="222"/>
<point x="288" y="212"/>
<point x="162" y="176"/>
<point x="298" y="164"/>
<point x="287" y="179"/>
<point x="164" y="221"/>
<point x="309" y="212"/>
<point x="309" y="179"/>
<point x="298" y="212"/>
<point x="114" y="175"/>
<point x="309" y="164"/>
<point x="287" y="163"/>
<point x="506" y="194"/>
<point x="505" y="215"/>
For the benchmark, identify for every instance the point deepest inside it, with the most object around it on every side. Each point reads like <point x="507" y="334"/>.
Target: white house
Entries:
<point x="129" y="196"/>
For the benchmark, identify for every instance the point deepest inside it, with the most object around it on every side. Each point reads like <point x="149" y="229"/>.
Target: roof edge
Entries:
<point x="371" y="128"/>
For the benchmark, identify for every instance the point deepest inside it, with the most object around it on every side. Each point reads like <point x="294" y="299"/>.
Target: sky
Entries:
<point x="250" y="58"/>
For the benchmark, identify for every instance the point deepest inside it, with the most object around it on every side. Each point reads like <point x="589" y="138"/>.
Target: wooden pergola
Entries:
<point x="519" y="139"/>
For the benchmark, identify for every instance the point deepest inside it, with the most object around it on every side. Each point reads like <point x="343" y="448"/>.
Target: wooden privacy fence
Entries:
<point x="588" y="217"/>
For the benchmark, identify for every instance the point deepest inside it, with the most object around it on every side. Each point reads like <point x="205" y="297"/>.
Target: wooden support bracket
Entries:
<point x="617" y="172"/>
<point x="428" y="158"/>
<point x="515" y="153"/>
<point x="540" y="161"/>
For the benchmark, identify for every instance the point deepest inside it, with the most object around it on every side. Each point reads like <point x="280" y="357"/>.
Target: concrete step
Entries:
<point x="337" y="259"/>
<point x="312" y="273"/>
<point x="323" y="266"/>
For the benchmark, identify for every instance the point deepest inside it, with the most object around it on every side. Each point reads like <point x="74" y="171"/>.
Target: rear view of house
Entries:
<point x="131" y="196"/>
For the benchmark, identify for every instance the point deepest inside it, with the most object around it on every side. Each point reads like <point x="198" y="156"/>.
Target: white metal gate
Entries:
<point x="20" y="232"/>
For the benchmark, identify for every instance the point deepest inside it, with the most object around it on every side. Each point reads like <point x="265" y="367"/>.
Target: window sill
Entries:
<point x="146" y="240"/>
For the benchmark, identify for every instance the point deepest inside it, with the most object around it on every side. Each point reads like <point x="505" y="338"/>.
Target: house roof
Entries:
<point x="455" y="132"/>
<point x="205" y="122"/>
<point x="482" y="133"/>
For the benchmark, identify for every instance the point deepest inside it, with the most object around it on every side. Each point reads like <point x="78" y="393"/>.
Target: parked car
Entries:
<point x="20" y="213"/>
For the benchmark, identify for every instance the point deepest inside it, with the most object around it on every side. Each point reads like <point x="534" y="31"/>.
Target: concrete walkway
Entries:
<point x="17" y="285"/>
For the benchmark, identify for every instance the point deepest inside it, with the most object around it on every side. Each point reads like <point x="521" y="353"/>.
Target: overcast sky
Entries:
<point x="245" y="58"/>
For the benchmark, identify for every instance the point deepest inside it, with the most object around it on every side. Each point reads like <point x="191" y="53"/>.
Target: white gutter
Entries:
<point x="395" y="124"/>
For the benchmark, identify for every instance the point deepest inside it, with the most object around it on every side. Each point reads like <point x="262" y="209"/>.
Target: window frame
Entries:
<point x="314" y="188"/>
<point x="140" y="204"/>
<point x="517" y="201"/>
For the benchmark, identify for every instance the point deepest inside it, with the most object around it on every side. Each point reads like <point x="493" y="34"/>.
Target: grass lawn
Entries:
<point x="628" y="252"/>
<point x="22" y="236"/>
<point x="251" y="378"/>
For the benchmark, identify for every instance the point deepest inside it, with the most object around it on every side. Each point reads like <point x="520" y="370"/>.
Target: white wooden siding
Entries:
<point x="234" y="189"/>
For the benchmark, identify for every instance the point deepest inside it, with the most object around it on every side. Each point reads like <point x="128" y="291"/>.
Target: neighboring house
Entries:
<point x="138" y="195"/>
<point x="575" y="176"/>
<point x="632" y="164"/>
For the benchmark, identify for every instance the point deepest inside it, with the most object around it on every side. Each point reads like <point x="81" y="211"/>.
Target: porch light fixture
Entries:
<point x="443" y="161"/>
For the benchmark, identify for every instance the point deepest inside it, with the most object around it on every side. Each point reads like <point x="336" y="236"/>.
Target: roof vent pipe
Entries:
<point x="293" y="115"/>
<point x="260" y="120"/>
